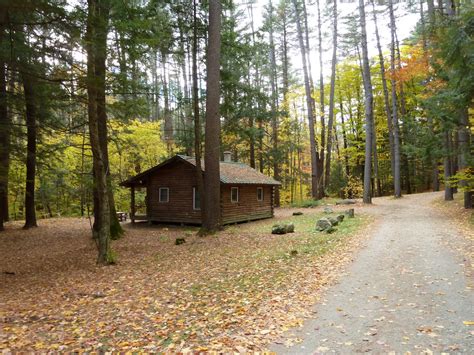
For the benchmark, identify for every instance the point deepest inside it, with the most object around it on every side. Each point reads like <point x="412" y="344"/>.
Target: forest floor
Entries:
<point x="410" y="290"/>
<point x="237" y="290"/>
<point x="242" y="289"/>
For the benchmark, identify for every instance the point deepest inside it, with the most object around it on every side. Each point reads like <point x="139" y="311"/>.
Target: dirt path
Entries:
<point x="407" y="290"/>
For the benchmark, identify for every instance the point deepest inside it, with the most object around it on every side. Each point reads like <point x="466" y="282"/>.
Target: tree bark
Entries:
<point x="396" y="136"/>
<point x="100" y="59"/>
<point x="31" y="132"/>
<point x="5" y="129"/>
<point x="212" y="217"/>
<point x="168" y="123"/>
<point x="464" y="141"/>
<point x="369" y="100"/>
<point x="274" y="106"/>
<point x="320" y="158"/>
<point x="385" y="91"/>
<point x="331" y="98"/>
<point x="97" y="19"/>
<point x="448" y="190"/>
<point x="197" y="122"/>
<point x="309" y="107"/>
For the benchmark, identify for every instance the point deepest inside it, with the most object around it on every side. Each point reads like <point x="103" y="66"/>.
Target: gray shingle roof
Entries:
<point x="238" y="173"/>
<point x="230" y="173"/>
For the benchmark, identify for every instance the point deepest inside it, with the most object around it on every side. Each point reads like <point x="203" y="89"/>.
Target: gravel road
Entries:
<point x="408" y="289"/>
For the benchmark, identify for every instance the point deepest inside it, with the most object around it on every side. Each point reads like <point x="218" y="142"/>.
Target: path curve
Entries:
<point x="407" y="290"/>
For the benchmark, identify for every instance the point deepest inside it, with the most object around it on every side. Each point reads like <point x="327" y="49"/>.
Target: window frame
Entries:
<point x="262" y="197"/>
<point x="167" y="194"/>
<point x="231" y="195"/>
<point x="194" y="200"/>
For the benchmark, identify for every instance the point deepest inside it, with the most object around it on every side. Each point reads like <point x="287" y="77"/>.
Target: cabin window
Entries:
<point x="234" y="194"/>
<point x="196" y="199"/>
<point x="164" y="194"/>
<point x="259" y="193"/>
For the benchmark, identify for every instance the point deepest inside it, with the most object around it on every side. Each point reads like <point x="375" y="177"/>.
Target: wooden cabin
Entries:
<point x="171" y="193"/>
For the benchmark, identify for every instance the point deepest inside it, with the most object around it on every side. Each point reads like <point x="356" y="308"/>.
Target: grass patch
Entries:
<point x="306" y="204"/>
<point x="276" y="253"/>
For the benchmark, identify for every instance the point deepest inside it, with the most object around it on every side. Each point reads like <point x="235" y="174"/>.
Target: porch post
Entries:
<point x="132" y="204"/>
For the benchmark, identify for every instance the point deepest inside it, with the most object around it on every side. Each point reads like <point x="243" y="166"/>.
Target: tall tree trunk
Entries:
<point x="385" y="91"/>
<point x="448" y="190"/>
<point x="31" y="117"/>
<point x="403" y="113"/>
<point x="274" y="105"/>
<point x="168" y="124"/>
<point x="431" y="11"/>
<point x="188" y="123"/>
<point x="197" y="122"/>
<point x="376" y="162"/>
<point x="212" y="195"/>
<point x="100" y="58"/>
<point x="369" y="100"/>
<point x="344" y="135"/>
<point x="5" y="129"/>
<point x="396" y="136"/>
<point x="309" y="106"/>
<point x="331" y="97"/>
<point x="320" y="158"/>
<point x="97" y="20"/>
<point x="464" y="141"/>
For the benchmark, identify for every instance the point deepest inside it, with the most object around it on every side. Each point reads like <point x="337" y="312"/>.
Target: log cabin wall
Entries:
<point x="248" y="207"/>
<point x="180" y="179"/>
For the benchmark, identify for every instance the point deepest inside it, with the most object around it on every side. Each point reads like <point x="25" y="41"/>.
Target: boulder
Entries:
<point x="180" y="241"/>
<point x="334" y="221"/>
<point x="346" y="202"/>
<point x="328" y="210"/>
<point x="297" y="213"/>
<point x="331" y="230"/>
<point x="350" y="213"/>
<point x="323" y="224"/>
<point x="290" y="228"/>
<point x="279" y="229"/>
<point x="340" y="218"/>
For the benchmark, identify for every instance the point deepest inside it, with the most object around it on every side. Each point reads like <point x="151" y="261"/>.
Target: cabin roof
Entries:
<point x="230" y="173"/>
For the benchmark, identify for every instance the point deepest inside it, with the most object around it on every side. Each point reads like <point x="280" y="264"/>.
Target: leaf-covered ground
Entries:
<point x="235" y="291"/>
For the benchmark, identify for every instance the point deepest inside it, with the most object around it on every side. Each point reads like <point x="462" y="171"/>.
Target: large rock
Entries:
<point x="331" y="230"/>
<point x="283" y="228"/>
<point x="323" y="224"/>
<point x="328" y="210"/>
<point x="334" y="221"/>
<point x="290" y="228"/>
<point x="346" y="202"/>
<point x="279" y="229"/>
<point x="350" y="213"/>
<point x="340" y="218"/>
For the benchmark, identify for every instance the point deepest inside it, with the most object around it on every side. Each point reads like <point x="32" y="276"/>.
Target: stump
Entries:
<point x="350" y="213"/>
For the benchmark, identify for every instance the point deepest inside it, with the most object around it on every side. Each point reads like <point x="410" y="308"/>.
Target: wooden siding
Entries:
<point x="248" y="208"/>
<point x="180" y="178"/>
